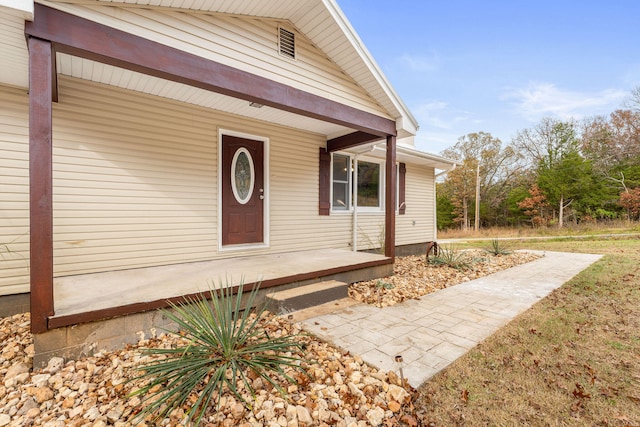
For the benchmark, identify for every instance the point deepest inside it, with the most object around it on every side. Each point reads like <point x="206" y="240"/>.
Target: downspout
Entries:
<point x="354" y="245"/>
<point x="354" y="237"/>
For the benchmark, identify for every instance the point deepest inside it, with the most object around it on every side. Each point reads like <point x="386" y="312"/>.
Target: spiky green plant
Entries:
<point x="448" y="255"/>
<point x="226" y="342"/>
<point x="381" y="284"/>
<point x="498" y="248"/>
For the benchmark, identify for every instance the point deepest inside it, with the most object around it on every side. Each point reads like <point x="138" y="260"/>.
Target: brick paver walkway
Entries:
<point x="432" y="332"/>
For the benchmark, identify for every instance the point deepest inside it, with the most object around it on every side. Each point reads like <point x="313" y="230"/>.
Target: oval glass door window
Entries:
<point x="242" y="175"/>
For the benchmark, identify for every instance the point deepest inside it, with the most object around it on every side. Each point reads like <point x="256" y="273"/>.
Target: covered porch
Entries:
<point x="58" y="302"/>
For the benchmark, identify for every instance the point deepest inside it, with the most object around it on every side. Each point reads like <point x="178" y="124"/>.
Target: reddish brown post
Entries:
<point x="40" y="182"/>
<point x="390" y="199"/>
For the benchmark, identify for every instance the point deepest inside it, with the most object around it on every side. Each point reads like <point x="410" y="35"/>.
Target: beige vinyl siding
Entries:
<point x="14" y="191"/>
<point x="420" y="201"/>
<point x="135" y="182"/>
<point x="247" y="44"/>
<point x="295" y="223"/>
<point x="370" y="230"/>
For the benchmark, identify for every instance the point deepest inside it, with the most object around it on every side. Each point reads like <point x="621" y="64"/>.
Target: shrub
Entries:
<point x="225" y="344"/>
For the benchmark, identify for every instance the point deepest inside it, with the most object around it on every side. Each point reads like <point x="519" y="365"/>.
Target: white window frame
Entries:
<point x="351" y="186"/>
<point x="348" y="200"/>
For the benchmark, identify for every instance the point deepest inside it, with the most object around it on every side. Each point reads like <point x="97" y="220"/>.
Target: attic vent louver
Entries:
<point x="287" y="43"/>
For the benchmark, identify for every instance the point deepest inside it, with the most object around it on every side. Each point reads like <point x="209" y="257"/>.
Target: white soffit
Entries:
<point x="107" y="74"/>
<point x="25" y="7"/>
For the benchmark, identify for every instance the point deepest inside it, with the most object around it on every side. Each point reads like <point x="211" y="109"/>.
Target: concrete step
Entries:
<point x="322" y="309"/>
<point x="302" y="297"/>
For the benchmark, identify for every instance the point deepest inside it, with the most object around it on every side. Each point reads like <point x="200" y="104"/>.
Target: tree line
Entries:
<point x="554" y="173"/>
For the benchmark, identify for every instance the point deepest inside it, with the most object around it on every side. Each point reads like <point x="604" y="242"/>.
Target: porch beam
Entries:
<point x="87" y="39"/>
<point x="390" y="198"/>
<point x="350" y="140"/>
<point x="40" y="182"/>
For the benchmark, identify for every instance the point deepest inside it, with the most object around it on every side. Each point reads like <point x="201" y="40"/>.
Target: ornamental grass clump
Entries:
<point x="226" y="345"/>
<point x="449" y="256"/>
<point x="498" y="248"/>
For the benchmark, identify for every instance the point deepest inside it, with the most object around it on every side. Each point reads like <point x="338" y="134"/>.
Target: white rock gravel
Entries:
<point x="341" y="390"/>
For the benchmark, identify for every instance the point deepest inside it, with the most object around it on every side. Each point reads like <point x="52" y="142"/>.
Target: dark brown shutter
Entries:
<point x="325" y="182"/>
<point x="402" y="173"/>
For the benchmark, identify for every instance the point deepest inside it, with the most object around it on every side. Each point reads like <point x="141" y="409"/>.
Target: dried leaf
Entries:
<point x="409" y="420"/>
<point x="579" y="392"/>
<point x="465" y="396"/>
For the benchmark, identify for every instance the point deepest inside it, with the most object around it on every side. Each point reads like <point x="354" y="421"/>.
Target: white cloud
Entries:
<point x="433" y="114"/>
<point x="632" y="76"/>
<point x="438" y="114"/>
<point x="440" y="125"/>
<point x="546" y="99"/>
<point x="420" y="63"/>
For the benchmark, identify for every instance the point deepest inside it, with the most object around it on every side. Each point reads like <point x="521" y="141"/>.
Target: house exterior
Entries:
<point x="135" y="135"/>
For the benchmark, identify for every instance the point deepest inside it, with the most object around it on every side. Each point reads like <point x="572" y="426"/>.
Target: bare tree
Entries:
<point x="497" y="165"/>
<point x="633" y="101"/>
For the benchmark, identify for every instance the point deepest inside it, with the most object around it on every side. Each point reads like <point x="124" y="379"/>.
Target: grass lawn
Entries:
<point x="571" y="360"/>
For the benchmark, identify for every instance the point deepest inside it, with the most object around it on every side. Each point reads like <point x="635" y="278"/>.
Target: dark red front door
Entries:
<point x="242" y="191"/>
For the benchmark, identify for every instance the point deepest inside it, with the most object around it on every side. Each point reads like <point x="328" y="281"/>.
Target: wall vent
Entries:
<point x="287" y="43"/>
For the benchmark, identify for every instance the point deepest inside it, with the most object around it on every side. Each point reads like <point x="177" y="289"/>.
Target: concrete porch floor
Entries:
<point x="99" y="291"/>
<point x="106" y="311"/>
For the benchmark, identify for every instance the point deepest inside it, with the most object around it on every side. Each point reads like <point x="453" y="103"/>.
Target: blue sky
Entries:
<point x="497" y="66"/>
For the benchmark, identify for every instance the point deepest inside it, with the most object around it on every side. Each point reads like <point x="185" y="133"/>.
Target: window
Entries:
<point x="343" y="180"/>
<point x="341" y="183"/>
<point x="336" y="181"/>
<point x="369" y="184"/>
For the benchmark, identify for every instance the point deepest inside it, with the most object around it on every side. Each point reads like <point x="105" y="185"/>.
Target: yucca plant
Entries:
<point x="448" y="255"/>
<point x="226" y="342"/>
<point x="498" y="248"/>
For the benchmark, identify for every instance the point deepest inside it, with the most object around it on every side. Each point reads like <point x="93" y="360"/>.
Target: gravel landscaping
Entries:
<point x="340" y="388"/>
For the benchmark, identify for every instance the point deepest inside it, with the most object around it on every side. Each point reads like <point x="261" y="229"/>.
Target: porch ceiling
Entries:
<point x="320" y="20"/>
<point x="107" y="74"/>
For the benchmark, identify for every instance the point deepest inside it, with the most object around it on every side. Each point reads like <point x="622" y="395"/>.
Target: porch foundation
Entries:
<point x="14" y="304"/>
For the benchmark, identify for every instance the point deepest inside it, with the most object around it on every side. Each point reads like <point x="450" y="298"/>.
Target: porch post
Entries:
<point x="390" y="199"/>
<point x="40" y="182"/>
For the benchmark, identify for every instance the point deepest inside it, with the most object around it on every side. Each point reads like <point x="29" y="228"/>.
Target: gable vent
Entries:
<point x="287" y="43"/>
